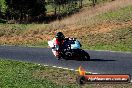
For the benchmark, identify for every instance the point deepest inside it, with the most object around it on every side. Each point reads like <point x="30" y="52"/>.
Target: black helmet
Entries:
<point x="59" y="35"/>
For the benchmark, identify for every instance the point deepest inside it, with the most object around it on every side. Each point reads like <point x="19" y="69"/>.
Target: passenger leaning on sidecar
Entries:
<point x="58" y="43"/>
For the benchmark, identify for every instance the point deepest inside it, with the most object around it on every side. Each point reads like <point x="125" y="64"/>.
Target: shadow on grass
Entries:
<point x="53" y="17"/>
<point x="43" y="18"/>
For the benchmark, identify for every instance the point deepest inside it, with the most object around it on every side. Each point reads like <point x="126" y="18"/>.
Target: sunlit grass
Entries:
<point x="83" y="28"/>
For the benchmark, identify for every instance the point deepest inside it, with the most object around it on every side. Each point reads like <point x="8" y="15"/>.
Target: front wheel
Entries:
<point x="85" y="56"/>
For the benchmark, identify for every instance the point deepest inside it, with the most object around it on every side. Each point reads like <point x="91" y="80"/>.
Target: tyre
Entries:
<point x="86" y="57"/>
<point x="59" y="57"/>
<point x="81" y="80"/>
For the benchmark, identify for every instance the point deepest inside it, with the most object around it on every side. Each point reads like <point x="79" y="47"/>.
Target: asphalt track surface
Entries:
<point x="104" y="62"/>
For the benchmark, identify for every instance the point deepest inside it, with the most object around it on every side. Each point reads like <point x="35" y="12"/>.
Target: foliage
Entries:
<point x="3" y="7"/>
<point x="22" y="8"/>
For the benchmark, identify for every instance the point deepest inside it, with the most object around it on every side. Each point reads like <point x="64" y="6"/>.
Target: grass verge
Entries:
<point x="16" y="74"/>
<point x="117" y="40"/>
<point x="122" y="14"/>
<point x="107" y="31"/>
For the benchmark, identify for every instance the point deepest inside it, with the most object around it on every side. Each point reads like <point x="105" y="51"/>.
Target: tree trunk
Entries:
<point x="81" y="3"/>
<point x="55" y="10"/>
<point x="93" y="2"/>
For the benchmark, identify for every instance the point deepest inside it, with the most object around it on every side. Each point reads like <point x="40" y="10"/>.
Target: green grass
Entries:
<point x="102" y="41"/>
<point x="12" y="29"/>
<point x="123" y="14"/>
<point x="117" y="40"/>
<point x="38" y="44"/>
<point x="16" y="74"/>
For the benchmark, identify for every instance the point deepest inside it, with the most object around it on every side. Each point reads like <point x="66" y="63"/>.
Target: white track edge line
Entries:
<point x="74" y="70"/>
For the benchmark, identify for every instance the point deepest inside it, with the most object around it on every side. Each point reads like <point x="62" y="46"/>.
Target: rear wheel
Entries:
<point x="59" y="58"/>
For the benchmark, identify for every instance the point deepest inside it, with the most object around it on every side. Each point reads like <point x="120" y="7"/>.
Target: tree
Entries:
<point x="0" y="10"/>
<point x="94" y="2"/>
<point x="3" y="7"/>
<point x="20" y="9"/>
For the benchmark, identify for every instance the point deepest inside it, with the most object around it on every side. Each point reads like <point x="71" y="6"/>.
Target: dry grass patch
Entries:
<point x="88" y="22"/>
<point x="84" y="17"/>
<point x="60" y="76"/>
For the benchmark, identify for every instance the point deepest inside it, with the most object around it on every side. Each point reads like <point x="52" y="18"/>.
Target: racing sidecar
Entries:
<point x="71" y="50"/>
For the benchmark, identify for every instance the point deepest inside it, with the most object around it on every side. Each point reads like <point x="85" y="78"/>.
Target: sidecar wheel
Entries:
<point x="59" y="58"/>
